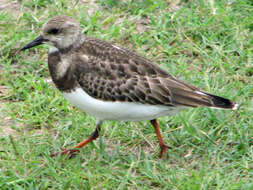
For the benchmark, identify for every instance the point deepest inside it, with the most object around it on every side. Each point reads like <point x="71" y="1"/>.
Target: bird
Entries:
<point x="110" y="82"/>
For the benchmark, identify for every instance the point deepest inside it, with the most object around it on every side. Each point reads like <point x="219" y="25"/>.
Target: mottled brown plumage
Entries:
<point x="110" y="73"/>
<point x="107" y="73"/>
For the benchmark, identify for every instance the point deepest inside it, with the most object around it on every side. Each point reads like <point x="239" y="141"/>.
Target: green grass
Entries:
<point x="208" y="43"/>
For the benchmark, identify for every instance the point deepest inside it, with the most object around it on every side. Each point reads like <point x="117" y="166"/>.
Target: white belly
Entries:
<point x="120" y="111"/>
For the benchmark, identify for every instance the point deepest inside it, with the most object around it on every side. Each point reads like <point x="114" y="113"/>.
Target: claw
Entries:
<point x="163" y="150"/>
<point x="70" y="153"/>
<point x="160" y="139"/>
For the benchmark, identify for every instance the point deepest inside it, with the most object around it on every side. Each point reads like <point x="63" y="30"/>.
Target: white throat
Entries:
<point x="53" y="49"/>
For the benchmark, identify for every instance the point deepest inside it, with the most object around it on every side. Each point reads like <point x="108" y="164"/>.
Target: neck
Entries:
<point x="61" y="69"/>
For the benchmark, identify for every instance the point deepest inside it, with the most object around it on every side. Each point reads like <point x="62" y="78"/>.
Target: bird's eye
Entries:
<point x="53" y="31"/>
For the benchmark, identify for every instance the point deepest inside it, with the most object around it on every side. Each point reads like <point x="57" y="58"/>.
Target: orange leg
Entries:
<point x="160" y="139"/>
<point x="72" y="152"/>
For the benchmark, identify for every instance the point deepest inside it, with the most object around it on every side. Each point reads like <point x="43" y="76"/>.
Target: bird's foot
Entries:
<point x="70" y="153"/>
<point x="164" y="148"/>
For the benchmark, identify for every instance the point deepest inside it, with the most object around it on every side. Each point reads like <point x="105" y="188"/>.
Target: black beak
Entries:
<point x="37" y="41"/>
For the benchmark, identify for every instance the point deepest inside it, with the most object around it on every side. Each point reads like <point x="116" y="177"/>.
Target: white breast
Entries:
<point x="120" y="111"/>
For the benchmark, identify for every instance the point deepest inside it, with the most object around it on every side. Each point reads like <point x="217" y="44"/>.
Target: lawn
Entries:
<point x="208" y="43"/>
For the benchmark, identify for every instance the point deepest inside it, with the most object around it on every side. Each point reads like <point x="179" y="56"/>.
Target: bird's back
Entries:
<point x="112" y="73"/>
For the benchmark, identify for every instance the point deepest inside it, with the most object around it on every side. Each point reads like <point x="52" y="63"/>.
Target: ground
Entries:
<point x="208" y="43"/>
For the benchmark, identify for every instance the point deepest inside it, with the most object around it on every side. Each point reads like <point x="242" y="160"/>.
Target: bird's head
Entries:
<point x="60" y="32"/>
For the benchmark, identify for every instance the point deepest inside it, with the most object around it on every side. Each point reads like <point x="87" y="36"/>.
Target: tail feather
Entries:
<point x="189" y="96"/>
<point x="200" y="98"/>
<point x="219" y="102"/>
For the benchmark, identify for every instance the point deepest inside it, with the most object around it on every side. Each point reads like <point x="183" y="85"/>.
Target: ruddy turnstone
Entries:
<point x="113" y="83"/>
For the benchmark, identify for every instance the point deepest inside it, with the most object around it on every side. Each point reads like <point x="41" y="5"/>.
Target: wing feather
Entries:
<point x="111" y="73"/>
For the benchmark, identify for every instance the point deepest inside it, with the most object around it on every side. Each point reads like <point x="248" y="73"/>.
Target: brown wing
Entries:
<point x="115" y="85"/>
<point x="111" y="73"/>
